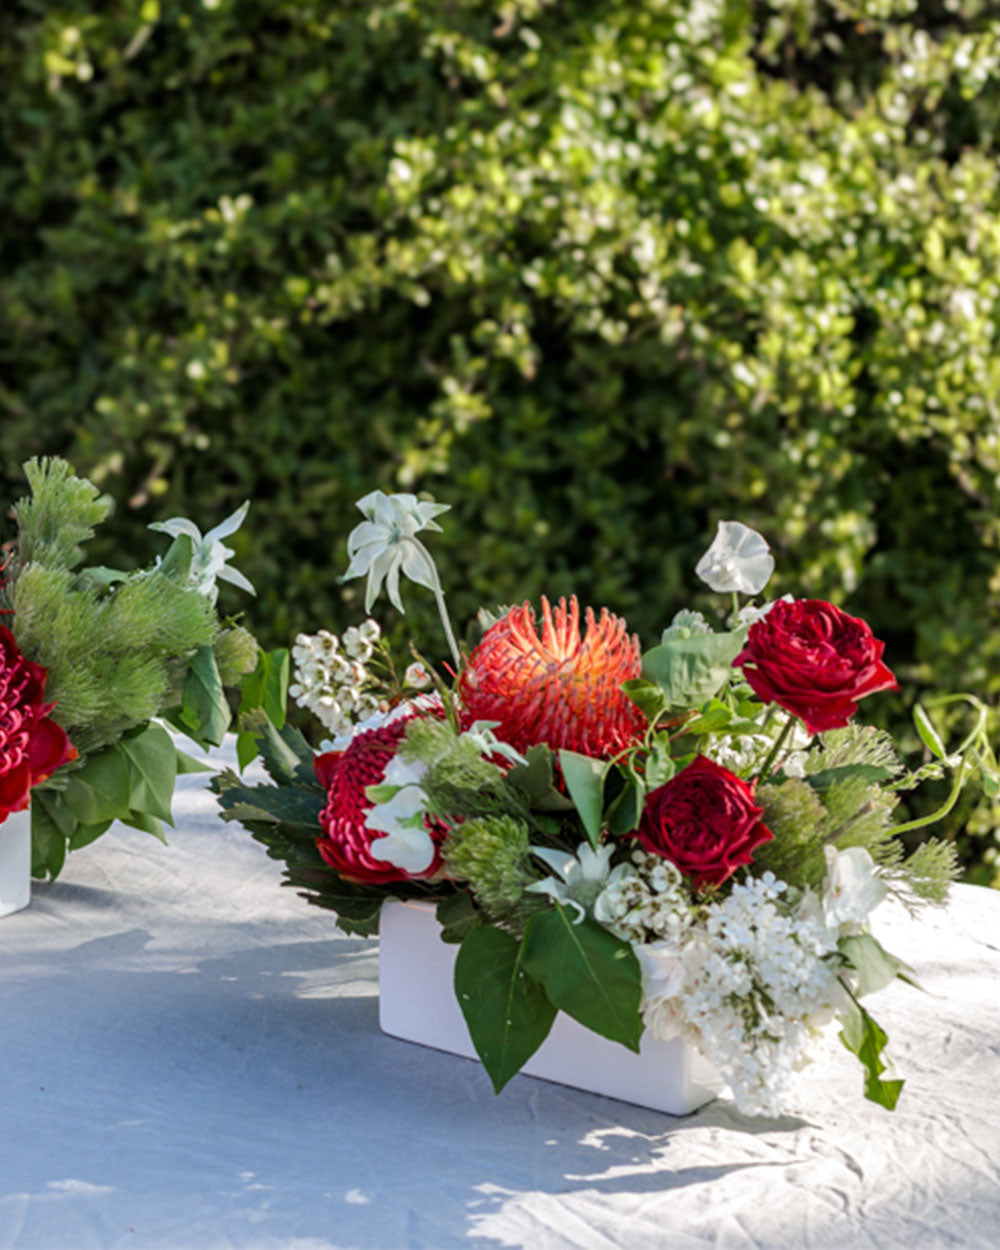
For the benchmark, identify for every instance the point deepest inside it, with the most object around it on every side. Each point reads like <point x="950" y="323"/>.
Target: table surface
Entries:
<point x="191" y="1057"/>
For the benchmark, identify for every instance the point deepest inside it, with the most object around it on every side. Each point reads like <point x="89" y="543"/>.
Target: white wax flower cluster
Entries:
<point x="647" y="898"/>
<point x="753" y="978"/>
<point x="330" y="675"/>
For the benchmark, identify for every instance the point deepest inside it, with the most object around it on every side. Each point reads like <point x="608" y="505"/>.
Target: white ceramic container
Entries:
<point x="15" y="862"/>
<point x="417" y="1002"/>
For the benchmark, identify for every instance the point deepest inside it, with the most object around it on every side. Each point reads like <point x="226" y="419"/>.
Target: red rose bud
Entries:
<point x="32" y="745"/>
<point x="345" y="775"/>
<point x="814" y="661"/>
<point x="704" y="820"/>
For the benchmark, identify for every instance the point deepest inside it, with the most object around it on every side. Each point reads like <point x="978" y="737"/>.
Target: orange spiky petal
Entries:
<point x="555" y="688"/>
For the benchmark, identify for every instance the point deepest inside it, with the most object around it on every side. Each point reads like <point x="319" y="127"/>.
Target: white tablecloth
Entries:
<point x="191" y="1058"/>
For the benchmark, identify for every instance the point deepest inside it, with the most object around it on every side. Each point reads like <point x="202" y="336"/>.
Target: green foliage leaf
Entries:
<point x="265" y="688"/>
<point x="648" y="697"/>
<point x="286" y="755"/>
<point x="690" y="671"/>
<point x="863" y="1037"/>
<point x="83" y="835"/>
<point x="100" y="790"/>
<point x="177" y="561"/>
<point x="584" y="779"/>
<point x="188" y="764"/>
<point x="929" y="735"/>
<point x="586" y="972"/>
<point x="457" y="916"/>
<point x="875" y="967"/>
<point x="507" y="1012"/>
<point x="535" y="781"/>
<point x="625" y="811"/>
<point x="871" y="774"/>
<point x="152" y="764"/>
<point x="52" y="825"/>
<point x="204" y="711"/>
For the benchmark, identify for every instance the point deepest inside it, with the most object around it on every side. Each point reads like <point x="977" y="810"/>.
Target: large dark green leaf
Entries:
<point x="508" y="1013"/>
<point x="586" y="972"/>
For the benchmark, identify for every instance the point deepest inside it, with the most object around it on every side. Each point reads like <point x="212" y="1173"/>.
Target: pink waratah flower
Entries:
<point x="32" y="745"/>
<point x="345" y="775"/>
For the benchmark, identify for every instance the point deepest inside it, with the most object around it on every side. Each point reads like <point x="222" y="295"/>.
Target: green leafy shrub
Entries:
<point x="597" y="273"/>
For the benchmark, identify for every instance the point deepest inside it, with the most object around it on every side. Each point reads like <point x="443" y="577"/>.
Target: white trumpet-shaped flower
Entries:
<point x="385" y="544"/>
<point x="738" y="560"/>
<point x="852" y="889"/>
<point x="209" y="555"/>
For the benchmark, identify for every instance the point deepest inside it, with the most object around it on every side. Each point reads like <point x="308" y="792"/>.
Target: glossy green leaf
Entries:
<point x="204" y="709"/>
<point x="100" y="790"/>
<point x="152" y="763"/>
<point x="584" y="779"/>
<point x="507" y="1012"/>
<point x="586" y="972"/>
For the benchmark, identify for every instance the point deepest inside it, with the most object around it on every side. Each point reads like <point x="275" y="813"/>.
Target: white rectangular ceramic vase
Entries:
<point x="15" y="862"/>
<point x="417" y="1002"/>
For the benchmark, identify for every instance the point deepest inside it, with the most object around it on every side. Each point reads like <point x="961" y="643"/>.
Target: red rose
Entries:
<point x="32" y="745"/>
<point x="345" y="775"/>
<point x="705" y="821"/>
<point x="814" y="661"/>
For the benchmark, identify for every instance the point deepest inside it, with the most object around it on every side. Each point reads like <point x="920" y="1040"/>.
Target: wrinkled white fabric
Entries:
<point x="191" y="1058"/>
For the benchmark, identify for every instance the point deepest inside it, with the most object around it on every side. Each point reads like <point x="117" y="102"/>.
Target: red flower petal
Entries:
<point x="555" y="688"/>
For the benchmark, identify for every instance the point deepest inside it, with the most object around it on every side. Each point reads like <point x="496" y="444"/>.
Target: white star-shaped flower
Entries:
<point x="208" y="554"/>
<point x="385" y="544"/>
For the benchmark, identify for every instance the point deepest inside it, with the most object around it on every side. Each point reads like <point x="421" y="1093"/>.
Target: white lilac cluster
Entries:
<point x="645" y="897"/>
<point x="331" y="677"/>
<point x="756" y="976"/>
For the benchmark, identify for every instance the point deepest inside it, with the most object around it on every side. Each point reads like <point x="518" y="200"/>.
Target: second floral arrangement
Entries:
<point x="688" y="840"/>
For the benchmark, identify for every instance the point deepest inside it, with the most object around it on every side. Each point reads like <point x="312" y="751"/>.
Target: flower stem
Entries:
<point x="779" y="742"/>
<point x="942" y="811"/>
<point x="441" y="607"/>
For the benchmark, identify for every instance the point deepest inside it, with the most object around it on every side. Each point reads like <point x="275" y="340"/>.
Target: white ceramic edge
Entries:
<point x="15" y="862"/>
<point x="417" y="1003"/>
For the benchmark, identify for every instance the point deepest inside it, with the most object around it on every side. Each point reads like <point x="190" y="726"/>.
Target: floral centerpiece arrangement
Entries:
<point x="90" y="656"/>
<point x="689" y="840"/>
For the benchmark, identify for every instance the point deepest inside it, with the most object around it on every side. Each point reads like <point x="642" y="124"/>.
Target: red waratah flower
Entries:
<point x="345" y="775"/>
<point x="555" y="689"/>
<point x="32" y="745"/>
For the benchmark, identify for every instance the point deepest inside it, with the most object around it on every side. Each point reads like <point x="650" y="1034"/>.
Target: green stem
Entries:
<point x="942" y="811"/>
<point x="779" y="742"/>
<point x="736" y="607"/>
<point x="439" y="599"/>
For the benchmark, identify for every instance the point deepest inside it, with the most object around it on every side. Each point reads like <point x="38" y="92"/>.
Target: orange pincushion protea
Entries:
<point x="555" y="688"/>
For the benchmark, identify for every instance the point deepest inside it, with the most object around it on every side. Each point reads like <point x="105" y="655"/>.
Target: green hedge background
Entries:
<point x="596" y="274"/>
